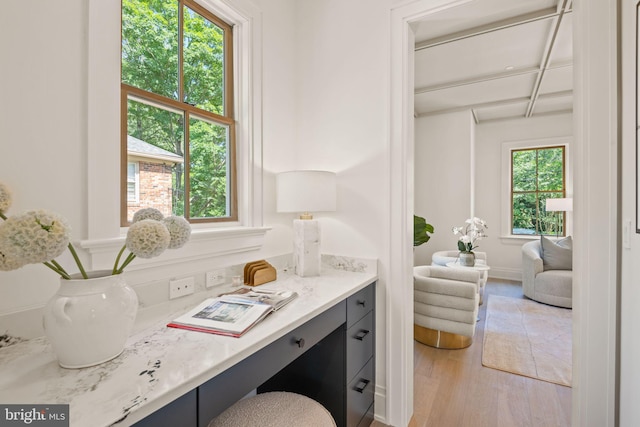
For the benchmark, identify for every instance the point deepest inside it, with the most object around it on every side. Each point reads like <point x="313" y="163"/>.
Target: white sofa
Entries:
<point x="445" y="305"/>
<point x="548" y="286"/>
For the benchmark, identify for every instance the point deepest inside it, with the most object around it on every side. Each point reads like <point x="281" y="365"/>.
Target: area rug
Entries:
<point x="528" y="338"/>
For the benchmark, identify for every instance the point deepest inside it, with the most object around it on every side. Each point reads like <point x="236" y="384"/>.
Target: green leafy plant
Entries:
<point x="421" y="230"/>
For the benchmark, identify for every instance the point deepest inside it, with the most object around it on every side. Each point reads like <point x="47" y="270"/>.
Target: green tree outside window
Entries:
<point x="177" y="83"/>
<point x="537" y="174"/>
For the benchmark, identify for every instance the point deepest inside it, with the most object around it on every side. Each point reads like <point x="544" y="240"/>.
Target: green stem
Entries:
<point x="115" y="265"/>
<point x="59" y="267"/>
<point x="77" y="260"/>
<point x="3" y="216"/>
<point x="63" y="274"/>
<point x="126" y="262"/>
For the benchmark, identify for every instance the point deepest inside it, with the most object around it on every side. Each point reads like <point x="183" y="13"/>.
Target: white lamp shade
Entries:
<point x="306" y="191"/>
<point x="559" y="205"/>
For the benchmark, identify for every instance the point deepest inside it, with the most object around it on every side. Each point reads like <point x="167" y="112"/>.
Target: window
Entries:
<point x="133" y="188"/>
<point x="177" y="104"/>
<point x="537" y="174"/>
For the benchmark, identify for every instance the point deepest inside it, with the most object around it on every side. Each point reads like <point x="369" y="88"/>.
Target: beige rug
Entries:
<point x="528" y="338"/>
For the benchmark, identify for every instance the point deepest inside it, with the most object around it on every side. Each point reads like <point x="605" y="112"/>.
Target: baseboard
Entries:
<point x="514" y="274"/>
<point x="380" y="404"/>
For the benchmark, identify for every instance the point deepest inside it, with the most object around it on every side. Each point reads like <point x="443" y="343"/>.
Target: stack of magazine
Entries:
<point x="234" y="313"/>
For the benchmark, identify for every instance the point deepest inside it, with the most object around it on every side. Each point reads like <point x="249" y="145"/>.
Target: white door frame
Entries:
<point x="595" y="208"/>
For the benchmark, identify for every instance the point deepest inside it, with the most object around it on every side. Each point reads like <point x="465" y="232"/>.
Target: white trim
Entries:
<point x="505" y="174"/>
<point x="203" y="244"/>
<point x="103" y="118"/>
<point x="399" y="326"/>
<point x="595" y="210"/>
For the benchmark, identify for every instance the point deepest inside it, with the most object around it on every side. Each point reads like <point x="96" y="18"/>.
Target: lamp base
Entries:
<point x="306" y="247"/>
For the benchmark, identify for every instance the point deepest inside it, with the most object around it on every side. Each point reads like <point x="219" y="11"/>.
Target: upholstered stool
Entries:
<point x="275" y="409"/>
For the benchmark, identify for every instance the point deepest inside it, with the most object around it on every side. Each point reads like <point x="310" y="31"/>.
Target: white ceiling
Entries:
<point x="500" y="59"/>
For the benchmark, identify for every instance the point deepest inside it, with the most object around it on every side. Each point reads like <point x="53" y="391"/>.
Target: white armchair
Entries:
<point x="443" y="257"/>
<point x="549" y="286"/>
<point x="445" y="306"/>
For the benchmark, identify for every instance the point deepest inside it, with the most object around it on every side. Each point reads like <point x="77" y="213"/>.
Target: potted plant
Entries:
<point x="472" y="231"/>
<point x="421" y="230"/>
<point x="91" y="315"/>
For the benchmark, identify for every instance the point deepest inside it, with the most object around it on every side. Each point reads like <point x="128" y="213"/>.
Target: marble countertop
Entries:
<point x="159" y="363"/>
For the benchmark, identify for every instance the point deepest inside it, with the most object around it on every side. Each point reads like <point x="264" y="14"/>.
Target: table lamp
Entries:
<point x="559" y="205"/>
<point x="305" y="192"/>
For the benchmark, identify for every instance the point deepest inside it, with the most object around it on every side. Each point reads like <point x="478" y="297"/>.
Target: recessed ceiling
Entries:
<point x="498" y="58"/>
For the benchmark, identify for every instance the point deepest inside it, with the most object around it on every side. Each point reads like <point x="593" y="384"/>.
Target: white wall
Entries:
<point x="443" y="166"/>
<point x="342" y="51"/>
<point x="504" y="254"/>
<point x="43" y="127"/>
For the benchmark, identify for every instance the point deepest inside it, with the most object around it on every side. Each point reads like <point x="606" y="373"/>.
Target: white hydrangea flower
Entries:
<point x="147" y="213"/>
<point x="5" y="198"/>
<point x="148" y="238"/>
<point x="34" y="237"/>
<point x="179" y="229"/>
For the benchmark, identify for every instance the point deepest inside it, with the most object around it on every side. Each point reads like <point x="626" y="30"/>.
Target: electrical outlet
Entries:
<point x="181" y="287"/>
<point x="214" y="278"/>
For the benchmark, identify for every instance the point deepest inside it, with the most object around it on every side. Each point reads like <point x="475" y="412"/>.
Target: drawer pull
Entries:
<point x="361" y="302"/>
<point x="361" y="385"/>
<point x="360" y="335"/>
<point x="300" y="342"/>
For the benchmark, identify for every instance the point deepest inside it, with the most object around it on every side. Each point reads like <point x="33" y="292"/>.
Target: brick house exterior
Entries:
<point x="153" y="177"/>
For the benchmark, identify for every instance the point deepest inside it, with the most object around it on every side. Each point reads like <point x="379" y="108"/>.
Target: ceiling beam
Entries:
<point x="526" y="18"/>
<point x="563" y="7"/>
<point x="500" y="103"/>
<point x="487" y="77"/>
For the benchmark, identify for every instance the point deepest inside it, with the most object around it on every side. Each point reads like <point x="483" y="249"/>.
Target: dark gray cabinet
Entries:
<point x="339" y="371"/>
<point x="330" y="359"/>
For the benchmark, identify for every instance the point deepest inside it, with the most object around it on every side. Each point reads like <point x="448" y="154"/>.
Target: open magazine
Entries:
<point x="232" y="314"/>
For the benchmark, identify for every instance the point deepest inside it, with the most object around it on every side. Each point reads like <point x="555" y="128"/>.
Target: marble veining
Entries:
<point x="7" y="340"/>
<point x="159" y="363"/>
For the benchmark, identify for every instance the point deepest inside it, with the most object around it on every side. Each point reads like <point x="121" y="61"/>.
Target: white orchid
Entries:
<point x="470" y="233"/>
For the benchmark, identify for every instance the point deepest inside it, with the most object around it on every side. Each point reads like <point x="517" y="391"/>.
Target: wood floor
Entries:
<point x="453" y="389"/>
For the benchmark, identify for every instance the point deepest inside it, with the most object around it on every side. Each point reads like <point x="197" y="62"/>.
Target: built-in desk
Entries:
<point x="192" y="376"/>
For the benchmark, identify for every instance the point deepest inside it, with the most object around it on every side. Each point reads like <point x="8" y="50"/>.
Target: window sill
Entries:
<point x="514" y="238"/>
<point x="202" y="244"/>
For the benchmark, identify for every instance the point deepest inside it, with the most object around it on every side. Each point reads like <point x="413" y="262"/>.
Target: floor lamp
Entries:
<point x="559" y="205"/>
<point x="306" y="191"/>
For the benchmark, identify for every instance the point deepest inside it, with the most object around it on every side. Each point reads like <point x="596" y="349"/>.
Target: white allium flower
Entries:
<point x="8" y="261"/>
<point x="5" y="198"/>
<point x="179" y="229"/>
<point x="34" y="237"/>
<point x="147" y="213"/>
<point x="148" y="238"/>
<point x="465" y="239"/>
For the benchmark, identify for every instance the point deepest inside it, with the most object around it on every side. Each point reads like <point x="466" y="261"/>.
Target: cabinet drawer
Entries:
<point x="368" y="418"/>
<point x="226" y="388"/>
<point x="360" y="393"/>
<point x="359" y="345"/>
<point x="360" y="304"/>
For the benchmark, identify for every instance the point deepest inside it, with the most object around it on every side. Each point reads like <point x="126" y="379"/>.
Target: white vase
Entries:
<point x="88" y="321"/>
<point x="467" y="259"/>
